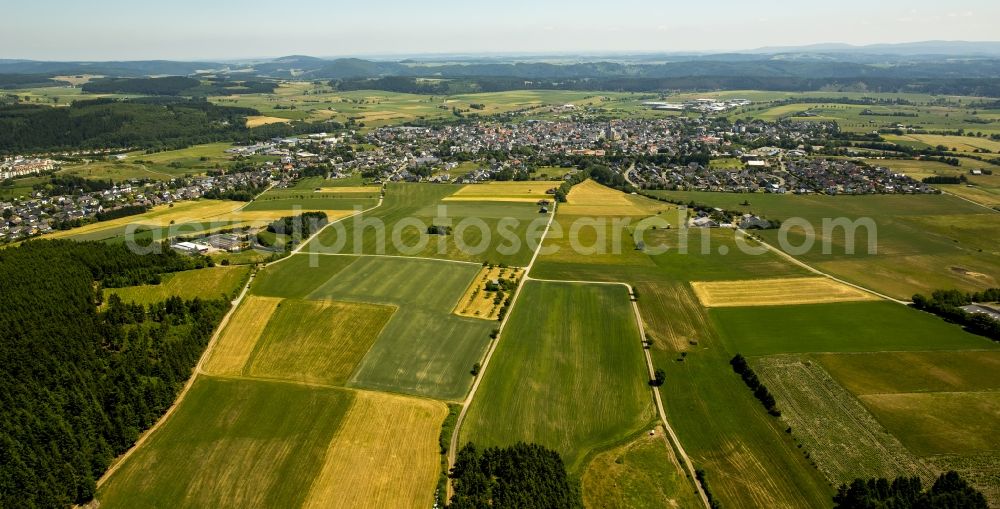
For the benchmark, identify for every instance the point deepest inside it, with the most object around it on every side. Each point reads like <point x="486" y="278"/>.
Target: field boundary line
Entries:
<point x="453" y="445"/>
<point x="673" y="441"/>
<point x="991" y="209"/>
<point x="198" y="368"/>
<point x="464" y="262"/>
<point x="814" y="270"/>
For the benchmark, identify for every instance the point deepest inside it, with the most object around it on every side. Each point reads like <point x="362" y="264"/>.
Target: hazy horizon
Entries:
<point x="229" y="30"/>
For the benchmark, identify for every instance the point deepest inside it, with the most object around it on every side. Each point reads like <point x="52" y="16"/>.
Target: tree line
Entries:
<point x="949" y="491"/>
<point x="742" y="368"/>
<point x="81" y="383"/>
<point x="948" y="305"/>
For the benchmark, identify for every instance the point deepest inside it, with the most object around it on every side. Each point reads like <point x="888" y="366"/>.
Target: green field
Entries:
<point x="316" y="341"/>
<point x="210" y="283"/>
<point x="233" y="444"/>
<point x="748" y="457"/>
<point x="941" y="423"/>
<point x="297" y="276"/>
<point x="568" y="374"/>
<point x="922" y="243"/>
<point x="898" y="372"/>
<point x="424" y="349"/>
<point x="194" y="160"/>
<point x="482" y="231"/>
<point x="840" y="327"/>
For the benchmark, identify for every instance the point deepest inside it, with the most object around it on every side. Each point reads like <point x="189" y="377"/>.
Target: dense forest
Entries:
<point x="106" y="123"/>
<point x="523" y="476"/>
<point x="178" y="86"/>
<point x="152" y="124"/>
<point x="949" y="491"/>
<point x="81" y="382"/>
<point x="169" y="85"/>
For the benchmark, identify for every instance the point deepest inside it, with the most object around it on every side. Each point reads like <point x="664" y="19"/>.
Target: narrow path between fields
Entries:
<point x="119" y="461"/>
<point x="453" y="446"/>
<point x="987" y="207"/>
<point x="674" y="441"/>
<point x="818" y="272"/>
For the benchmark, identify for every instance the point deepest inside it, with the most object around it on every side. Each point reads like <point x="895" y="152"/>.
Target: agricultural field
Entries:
<point x="385" y="454"/>
<point x="914" y="372"/>
<point x="297" y="276"/>
<point x="480" y="302"/>
<point x="920" y="243"/>
<point x="592" y="199"/>
<point x="924" y="114"/>
<point x="268" y="444"/>
<point x="568" y="373"/>
<point x="425" y="349"/>
<point x="375" y="108"/>
<point x="940" y="423"/>
<point x="530" y="191"/>
<point x="494" y="232"/>
<point x="748" y="458"/>
<point x="236" y="343"/>
<point x="209" y="283"/>
<point x="839" y="327"/>
<point x="317" y="342"/>
<point x="303" y="199"/>
<point x="233" y="443"/>
<point x="776" y="292"/>
<point x="942" y="406"/>
<point x="837" y="432"/>
<point x="194" y="160"/>
<point x="186" y="218"/>
<point x="642" y="473"/>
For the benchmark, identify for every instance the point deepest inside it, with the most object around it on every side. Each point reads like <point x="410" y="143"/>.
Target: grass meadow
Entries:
<point x="839" y="327"/>
<point x="209" y="283"/>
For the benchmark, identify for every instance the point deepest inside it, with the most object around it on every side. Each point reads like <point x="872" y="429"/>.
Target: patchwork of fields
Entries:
<point x="328" y="387"/>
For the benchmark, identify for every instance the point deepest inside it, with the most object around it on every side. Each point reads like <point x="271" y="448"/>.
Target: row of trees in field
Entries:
<point x="948" y="305"/>
<point x="524" y="476"/>
<point x="949" y="491"/>
<point x="79" y="384"/>
<point x="742" y="368"/>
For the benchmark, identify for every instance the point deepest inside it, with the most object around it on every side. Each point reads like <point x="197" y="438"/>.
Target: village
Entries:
<point x="676" y="153"/>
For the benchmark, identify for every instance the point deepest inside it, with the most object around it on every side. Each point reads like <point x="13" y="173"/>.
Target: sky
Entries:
<point x="231" y="29"/>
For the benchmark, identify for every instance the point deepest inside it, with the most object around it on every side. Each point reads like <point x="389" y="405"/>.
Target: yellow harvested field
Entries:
<point x="237" y="342"/>
<point x="530" y="192"/>
<point x="776" y="292"/>
<point x="259" y="120"/>
<point x="163" y="215"/>
<point x="589" y="198"/>
<point x="350" y="189"/>
<point x="961" y="143"/>
<point x="385" y="454"/>
<point x="477" y="301"/>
